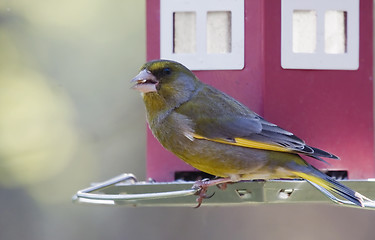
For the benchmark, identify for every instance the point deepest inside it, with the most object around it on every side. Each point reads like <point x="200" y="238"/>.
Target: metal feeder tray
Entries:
<point x="125" y="190"/>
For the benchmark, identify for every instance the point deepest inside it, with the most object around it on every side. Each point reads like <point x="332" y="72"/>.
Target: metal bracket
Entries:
<point x="126" y="190"/>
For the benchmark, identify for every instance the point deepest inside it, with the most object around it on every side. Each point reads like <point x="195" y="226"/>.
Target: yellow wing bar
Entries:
<point x="241" y="142"/>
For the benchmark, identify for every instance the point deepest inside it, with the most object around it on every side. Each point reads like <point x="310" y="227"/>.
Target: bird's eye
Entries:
<point x="167" y="71"/>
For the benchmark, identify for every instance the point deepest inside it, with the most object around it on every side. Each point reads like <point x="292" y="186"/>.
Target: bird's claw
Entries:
<point x="202" y="186"/>
<point x="202" y="195"/>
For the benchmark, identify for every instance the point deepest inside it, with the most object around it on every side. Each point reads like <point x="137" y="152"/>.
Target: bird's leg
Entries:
<point x="202" y="186"/>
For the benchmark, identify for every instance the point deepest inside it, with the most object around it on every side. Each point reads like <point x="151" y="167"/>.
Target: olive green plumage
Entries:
<point x="216" y="134"/>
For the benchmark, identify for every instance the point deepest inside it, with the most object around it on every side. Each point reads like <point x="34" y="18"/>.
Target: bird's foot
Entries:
<point x="202" y="186"/>
<point x="202" y="194"/>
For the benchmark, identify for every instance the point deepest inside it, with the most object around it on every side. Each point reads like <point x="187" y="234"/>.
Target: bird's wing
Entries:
<point x="272" y="140"/>
<point x="227" y="121"/>
<point x="273" y="134"/>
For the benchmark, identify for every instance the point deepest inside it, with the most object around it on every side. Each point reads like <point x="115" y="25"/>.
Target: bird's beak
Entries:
<point x="145" y="82"/>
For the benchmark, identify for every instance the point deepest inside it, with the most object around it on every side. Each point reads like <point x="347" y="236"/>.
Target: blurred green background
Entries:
<point x="69" y="118"/>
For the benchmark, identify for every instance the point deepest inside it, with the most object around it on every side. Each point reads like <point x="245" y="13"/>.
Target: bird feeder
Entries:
<point x="306" y="65"/>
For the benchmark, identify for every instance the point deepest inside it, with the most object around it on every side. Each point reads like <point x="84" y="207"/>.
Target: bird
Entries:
<point x="214" y="133"/>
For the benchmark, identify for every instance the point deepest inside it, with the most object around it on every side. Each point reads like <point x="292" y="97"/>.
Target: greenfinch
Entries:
<point x="216" y="134"/>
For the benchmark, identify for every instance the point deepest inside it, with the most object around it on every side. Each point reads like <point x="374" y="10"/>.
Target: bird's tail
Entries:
<point x="328" y="186"/>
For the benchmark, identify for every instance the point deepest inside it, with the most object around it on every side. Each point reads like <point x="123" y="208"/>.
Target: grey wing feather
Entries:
<point x="273" y="134"/>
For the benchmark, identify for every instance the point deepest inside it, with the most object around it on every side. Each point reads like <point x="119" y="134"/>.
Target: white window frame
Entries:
<point x="319" y="59"/>
<point x="201" y="60"/>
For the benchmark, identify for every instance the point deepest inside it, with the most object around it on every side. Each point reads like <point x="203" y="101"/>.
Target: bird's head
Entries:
<point x="168" y="79"/>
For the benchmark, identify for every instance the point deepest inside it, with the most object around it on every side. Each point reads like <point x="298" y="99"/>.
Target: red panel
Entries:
<point x="153" y="29"/>
<point x="332" y="110"/>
